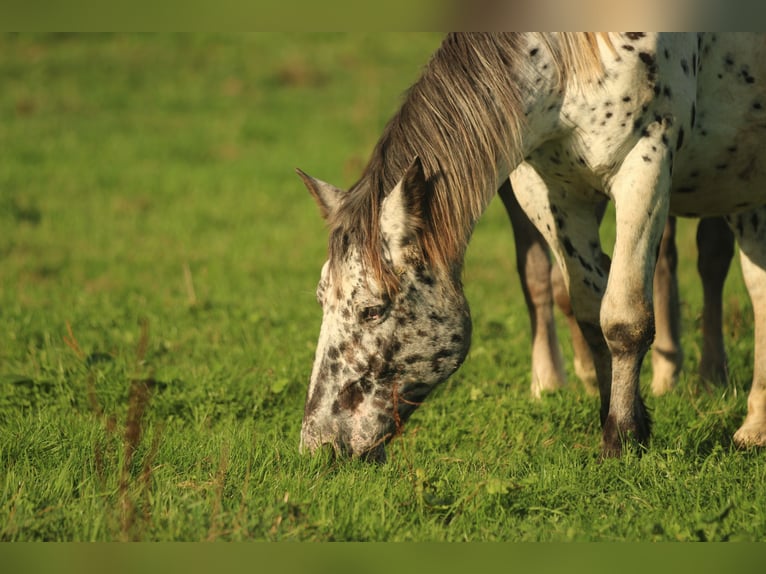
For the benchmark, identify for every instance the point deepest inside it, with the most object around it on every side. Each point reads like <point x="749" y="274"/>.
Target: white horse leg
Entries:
<point x="715" y="248"/>
<point x="667" y="355"/>
<point x="534" y="266"/>
<point x="750" y="231"/>
<point x="641" y="197"/>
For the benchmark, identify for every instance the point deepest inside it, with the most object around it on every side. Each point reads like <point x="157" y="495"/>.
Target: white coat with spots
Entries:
<point x="661" y="124"/>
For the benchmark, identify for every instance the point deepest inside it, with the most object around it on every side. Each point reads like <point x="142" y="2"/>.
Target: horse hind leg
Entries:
<point x="715" y="247"/>
<point x="534" y="267"/>
<point x="667" y="354"/>
<point x="584" y="367"/>
<point x="750" y="230"/>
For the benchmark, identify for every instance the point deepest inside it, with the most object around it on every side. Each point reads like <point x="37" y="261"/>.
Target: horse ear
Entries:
<point x="403" y="210"/>
<point x="327" y="196"/>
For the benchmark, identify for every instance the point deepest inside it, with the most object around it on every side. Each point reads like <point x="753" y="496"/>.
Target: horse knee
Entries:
<point x="629" y="332"/>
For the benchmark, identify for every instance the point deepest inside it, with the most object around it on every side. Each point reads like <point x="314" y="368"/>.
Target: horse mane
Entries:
<point x="462" y="118"/>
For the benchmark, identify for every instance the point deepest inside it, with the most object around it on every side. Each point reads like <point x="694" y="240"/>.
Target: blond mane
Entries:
<point x="462" y="118"/>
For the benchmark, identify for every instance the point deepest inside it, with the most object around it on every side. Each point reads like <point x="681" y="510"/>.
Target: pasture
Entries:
<point x="158" y="261"/>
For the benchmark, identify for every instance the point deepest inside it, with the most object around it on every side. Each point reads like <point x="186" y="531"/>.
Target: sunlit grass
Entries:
<point x="159" y="261"/>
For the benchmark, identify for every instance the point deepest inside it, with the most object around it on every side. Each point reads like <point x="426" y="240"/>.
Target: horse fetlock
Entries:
<point x="629" y="336"/>
<point x="714" y="370"/>
<point x="753" y="430"/>
<point x="620" y="435"/>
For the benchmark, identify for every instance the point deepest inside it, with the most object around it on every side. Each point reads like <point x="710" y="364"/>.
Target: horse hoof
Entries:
<point x="751" y="434"/>
<point x="626" y="436"/>
<point x="716" y="374"/>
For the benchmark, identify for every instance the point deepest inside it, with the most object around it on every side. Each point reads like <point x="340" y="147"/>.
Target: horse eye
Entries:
<point x="373" y="313"/>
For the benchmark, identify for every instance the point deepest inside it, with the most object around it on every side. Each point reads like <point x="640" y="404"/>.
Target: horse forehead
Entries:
<point x="347" y="278"/>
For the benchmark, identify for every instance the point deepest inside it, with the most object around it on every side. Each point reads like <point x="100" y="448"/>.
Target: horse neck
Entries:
<point x="468" y="143"/>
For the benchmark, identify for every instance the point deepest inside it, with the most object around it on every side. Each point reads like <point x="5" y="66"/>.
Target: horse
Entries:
<point x="542" y="284"/>
<point x="644" y="120"/>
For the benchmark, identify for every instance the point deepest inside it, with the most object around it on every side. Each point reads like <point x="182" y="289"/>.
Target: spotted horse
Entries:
<point x="660" y="124"/>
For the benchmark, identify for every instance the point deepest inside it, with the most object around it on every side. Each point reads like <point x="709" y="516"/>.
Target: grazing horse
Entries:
<point x="658" y="123"/>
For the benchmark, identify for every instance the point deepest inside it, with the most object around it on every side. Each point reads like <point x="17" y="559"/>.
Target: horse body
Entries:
<point x="574" y="119"/>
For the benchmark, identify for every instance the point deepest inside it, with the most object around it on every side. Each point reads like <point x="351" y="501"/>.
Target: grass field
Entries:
<point x="158" y="261"/>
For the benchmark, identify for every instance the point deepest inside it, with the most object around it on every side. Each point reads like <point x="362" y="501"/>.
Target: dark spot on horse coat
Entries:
<point x="438" y="319"/>
<point x="746" y="76"/>
<point x="568" y="247"/>
<point x="587" y="266"/>
<point x="314" y="401"/>
<point x="649" y="60"/>
<point x="438" y="357"/>
<point x="352" y="395"/>
<point x="424" y="277"/>
<point x="413" y="359"/>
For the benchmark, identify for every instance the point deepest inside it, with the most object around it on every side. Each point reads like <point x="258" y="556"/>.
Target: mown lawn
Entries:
<point x="158" y="260"/>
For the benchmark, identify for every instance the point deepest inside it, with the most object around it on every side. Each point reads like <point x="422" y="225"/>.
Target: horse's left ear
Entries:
<point x="403" y="210"/>
<point x="326" y="195"/>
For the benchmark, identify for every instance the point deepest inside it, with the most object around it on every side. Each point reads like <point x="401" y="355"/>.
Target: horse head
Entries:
<point x="393" y="326"/>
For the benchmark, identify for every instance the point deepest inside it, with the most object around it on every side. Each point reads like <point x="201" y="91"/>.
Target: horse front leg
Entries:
<point x="534" y="267"/>
<point x="641" y="193"/>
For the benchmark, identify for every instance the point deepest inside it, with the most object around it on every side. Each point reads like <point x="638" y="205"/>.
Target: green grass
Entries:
<point x="158" y="260"/>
